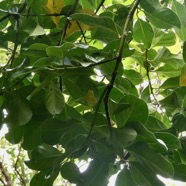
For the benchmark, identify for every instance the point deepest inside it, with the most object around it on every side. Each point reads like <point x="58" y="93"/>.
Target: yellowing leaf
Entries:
<point x="73" y="26"/>
<point x="90" y="98"/>
<point x="55" y="7"/>
<point x="183" y="76"/>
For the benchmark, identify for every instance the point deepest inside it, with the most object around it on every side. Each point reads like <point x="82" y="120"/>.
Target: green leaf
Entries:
<point x="104" y="34"/>
<point x="79" y="90"/>
<point x="19" y="112"/>
<point x="164" y="18"/>
<point x="137" y="111"/>
<point x="54" y="99"/>
<point x="124" y="178"/>
<point x="143" y="134"/>
<point x="133" y="76"/>
<point x="180" y="172"/>
<point x="116" y="108"/>
<point x="143" y="33"/>
<point x="122" y="137"/>
<point x="55" y="51"/>
<point x="43" y="157"/>
<point x="164" y="38"/>
<point x="15" y="134"/>
<point x="154" y="125"/>
<point x="70" y="172"/>
<point x="152" y="159"/>
<point x="145" y="94"/>
<point x="96" y="173"/>
<point x="44" y="178"/>
<point x="104" y="22"/>
<point x="160" y="17"/>
<point x="170" y="83"/>
<point x="179" y="9"/>
<point x="52" y="129"/>
<point x="142" y="175"/>
<point x="171" y="141"/>
<point x="32" y="135"/>
<point x="178" y="120"/>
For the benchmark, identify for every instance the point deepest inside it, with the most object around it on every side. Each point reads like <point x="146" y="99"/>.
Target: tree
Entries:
<point x="95" y="80"/>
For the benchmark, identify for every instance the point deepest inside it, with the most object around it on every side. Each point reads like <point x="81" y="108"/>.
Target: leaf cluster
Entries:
<point x="99" y="81"/>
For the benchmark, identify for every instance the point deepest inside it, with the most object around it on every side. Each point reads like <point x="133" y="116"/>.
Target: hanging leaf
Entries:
<point x="54" y="99"/>
<point x="180" y="10"/>
<point x="43" y="157"/>
<point x="124" y="178"/>
<point x="160" y="17"/>
<point x="44" y="178"/>
<point x="143" y="33"/>
<point x="19" y="112"/>
<point x="152" y="159"/>
<point x="71" y="172"/>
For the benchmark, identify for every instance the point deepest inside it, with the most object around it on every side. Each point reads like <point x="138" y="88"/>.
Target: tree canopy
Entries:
<point x="98" y="81"/>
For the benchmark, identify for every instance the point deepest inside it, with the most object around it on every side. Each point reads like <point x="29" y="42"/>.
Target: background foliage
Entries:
<point x="101" y="81"/>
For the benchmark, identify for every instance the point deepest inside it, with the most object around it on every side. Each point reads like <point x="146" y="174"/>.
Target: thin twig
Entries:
<point x="15" y="168"/>
<point x="67" y="23"/>
<point x="6" y="175"/>
<point x="12" y="14"/>
<point x="83" y="33"/>
<point x="149" y="78"/>
<point x="119" y="59"/>
<point x="99" y="6"/>
<point x="95" y="114"/>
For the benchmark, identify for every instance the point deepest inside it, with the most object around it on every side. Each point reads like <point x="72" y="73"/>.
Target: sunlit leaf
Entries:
<point x="54" y="99"/>
<point x="143" y="33"/>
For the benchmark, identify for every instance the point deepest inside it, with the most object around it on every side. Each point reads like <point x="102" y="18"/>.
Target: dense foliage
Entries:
<point x="96" y="80"/>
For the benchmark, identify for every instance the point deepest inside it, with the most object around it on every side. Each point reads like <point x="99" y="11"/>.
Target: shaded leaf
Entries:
<point x="43" y="157"/>
<point x="71" y="172"/>
<point x="124" y="178"/>
<point x="19" y="112"/>
<point x="152" y="159"/>
<point x="44" y="178"/>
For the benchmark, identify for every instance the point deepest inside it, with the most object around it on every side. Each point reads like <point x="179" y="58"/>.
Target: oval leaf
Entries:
<point x="54" y="99"/>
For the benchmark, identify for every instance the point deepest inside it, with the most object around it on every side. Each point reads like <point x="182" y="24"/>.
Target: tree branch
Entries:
<point x="6" y="176"/>
<point x="17" y="172"/>
<point x="149" y="78"/>
<point x="71" y="11"/>
<point x="119" y="59"/>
